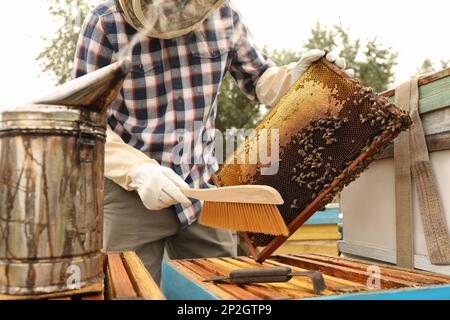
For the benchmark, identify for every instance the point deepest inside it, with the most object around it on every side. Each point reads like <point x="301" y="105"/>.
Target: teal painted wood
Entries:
<point x="434" y="95"/>
<point x="329" y="216"/>
<point x="424" y="293"/>
<point x="176" y="286"/>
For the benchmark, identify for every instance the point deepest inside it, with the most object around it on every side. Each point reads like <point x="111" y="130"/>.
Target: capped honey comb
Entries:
<point x="330" y="127"/>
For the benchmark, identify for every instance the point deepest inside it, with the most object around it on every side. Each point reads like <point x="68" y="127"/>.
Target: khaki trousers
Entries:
<point x="129" y="226"/>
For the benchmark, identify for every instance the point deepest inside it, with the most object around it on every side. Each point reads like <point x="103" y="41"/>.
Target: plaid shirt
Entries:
<point x="170" y="95"/>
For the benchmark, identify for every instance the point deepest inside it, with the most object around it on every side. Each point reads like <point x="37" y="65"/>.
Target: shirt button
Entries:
<point x="180" y="102"/>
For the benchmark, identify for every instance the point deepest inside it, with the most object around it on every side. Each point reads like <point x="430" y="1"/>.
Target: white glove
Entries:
<point x="158" y="186"/>
<point x="314" y="55"/>
<point x="277" y="81"/>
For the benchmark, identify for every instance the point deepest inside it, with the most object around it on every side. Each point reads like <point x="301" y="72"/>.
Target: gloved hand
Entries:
<point x="314" y="55"/>
<point x="158" y="186"/>
<point x="277" y="81"/>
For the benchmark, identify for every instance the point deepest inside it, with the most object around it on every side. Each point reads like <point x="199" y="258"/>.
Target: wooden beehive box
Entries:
<point x="369" y="224"/>
<point x="344" y="278"/>
<point x="320" y="234"/>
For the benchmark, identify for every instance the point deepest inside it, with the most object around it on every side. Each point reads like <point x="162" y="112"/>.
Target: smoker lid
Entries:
<point x="51" y="117"/>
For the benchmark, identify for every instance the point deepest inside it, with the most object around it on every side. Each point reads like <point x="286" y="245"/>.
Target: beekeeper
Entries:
<point x="180" y="52"/>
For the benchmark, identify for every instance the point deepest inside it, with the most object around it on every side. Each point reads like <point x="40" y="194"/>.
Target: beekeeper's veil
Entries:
<point x="167" y="19"/>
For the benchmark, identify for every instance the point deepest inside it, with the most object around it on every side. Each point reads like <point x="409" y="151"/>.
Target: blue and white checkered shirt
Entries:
<point x="170" y="95"/>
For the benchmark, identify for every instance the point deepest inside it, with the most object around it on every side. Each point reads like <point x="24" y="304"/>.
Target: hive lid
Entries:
<point x="47" y="117"/>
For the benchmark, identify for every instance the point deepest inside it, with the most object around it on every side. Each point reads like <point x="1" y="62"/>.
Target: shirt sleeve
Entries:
<point x="94" y="51"/>
<point x="248" y="63"/>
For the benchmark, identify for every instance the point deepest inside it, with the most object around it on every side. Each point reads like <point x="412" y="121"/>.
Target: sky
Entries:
<point x="416" y="29"/>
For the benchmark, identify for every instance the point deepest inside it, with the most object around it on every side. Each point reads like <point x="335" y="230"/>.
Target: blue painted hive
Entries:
<point x="344" y="279"/>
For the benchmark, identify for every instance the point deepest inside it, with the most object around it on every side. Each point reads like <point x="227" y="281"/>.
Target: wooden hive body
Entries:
<point x="344" y="279"/>
<point x="370" y="224"/>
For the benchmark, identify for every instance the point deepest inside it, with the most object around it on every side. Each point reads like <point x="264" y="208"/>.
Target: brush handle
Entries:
<point x="237" y="194"/>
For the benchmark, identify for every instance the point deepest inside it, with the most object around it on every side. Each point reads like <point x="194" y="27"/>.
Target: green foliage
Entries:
<point x="235" y="110"/>
<point x="428" y="66"/>
<point x="57" y="58"/>
<point x="372" y="63"/>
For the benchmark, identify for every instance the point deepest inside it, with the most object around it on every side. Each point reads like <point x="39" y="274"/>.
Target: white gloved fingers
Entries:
<point x="170" y="195"/>
<point x="350" y="73"/>
<point x="311" y="56"/>
<point x="340" y="63"/>
<point x="332" y="56"/>
<point x="174" y="178"/>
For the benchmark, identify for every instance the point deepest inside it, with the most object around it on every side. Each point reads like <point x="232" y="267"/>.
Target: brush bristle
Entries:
<point x="244" y="217"/>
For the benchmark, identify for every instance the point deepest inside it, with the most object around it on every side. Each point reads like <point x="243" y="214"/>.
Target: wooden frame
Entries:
<point x="344" y="279"/>
<point x="436" y="142"/>
<point x="317" y="204"/>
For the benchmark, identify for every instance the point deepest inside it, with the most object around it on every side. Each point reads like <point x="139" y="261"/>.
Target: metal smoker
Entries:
<point x="51" y="186"/>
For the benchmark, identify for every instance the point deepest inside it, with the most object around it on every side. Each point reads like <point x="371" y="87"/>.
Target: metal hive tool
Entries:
<point x="330" y="127"/>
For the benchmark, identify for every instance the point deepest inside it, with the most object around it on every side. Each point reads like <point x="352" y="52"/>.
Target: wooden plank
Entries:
<point x="439" y="277"/>
<point x="303" y="285"/>
<point x="109" y="289"/>
<point x="363" y="251"/>
<point x="287" y="288"/>
<point x="436" y="122"/>
<point x="324" y="246"/>
<point x="141" y="279"/>
<point x="435" y="143"/>
<point x="234" y="290"/>
<point x="438" y="99"/>
<point x="342" y="272"/>
<point x="223" y="270"/>
<point x="197" y="279"/>
<point x="412" y="276"/>
<point x="317" y="232"/>
<point x="338" y="286"/>
<point x="423" y="81"/>
<point x="302" y="289"/>
<point x="121" y="285"/>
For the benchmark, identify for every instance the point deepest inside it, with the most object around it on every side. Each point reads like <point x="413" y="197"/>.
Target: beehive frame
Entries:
<point x="330" y="129"/>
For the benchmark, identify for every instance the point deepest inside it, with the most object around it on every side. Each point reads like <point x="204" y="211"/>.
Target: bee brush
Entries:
<point x="241" y="208"/>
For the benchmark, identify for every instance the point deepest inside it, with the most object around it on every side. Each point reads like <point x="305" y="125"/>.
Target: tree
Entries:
<point x="57" y="58"/>
<point x="235" y="110"/>
<point x="372" y="63"/>
<point x="428" y="66"/>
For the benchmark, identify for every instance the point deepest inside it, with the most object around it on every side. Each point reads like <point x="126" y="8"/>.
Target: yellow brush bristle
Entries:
<point x="244" y="217"/>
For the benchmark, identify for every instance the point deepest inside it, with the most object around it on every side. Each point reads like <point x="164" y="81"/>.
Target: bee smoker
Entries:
<point x="51" y="186"/>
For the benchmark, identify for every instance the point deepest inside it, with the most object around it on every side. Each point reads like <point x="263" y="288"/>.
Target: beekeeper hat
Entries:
<point x="167" y="19"/>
